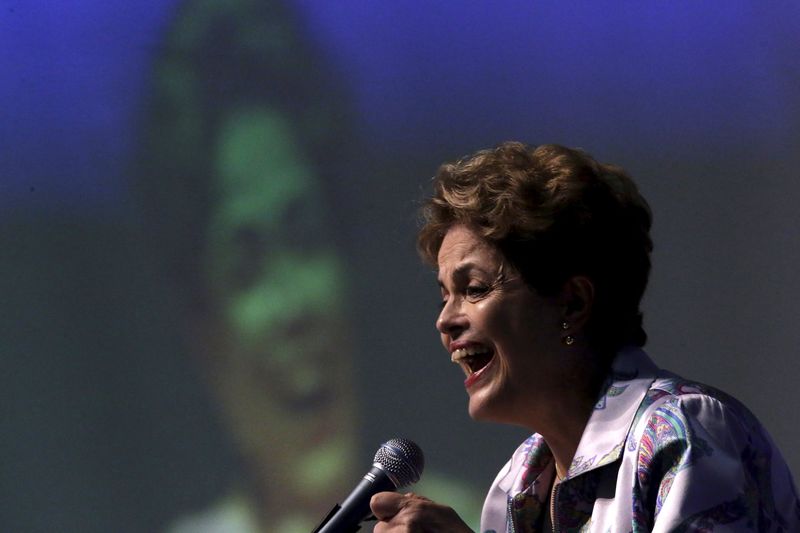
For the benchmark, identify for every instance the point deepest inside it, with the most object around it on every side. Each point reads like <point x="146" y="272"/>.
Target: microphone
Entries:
<point x="397" y="463"/>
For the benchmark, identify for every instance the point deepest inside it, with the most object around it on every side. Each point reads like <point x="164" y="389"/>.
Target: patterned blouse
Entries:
<point x="658" y="454"/>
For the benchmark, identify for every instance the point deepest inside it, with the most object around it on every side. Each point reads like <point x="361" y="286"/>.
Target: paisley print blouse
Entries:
<point x="659" y="453"/>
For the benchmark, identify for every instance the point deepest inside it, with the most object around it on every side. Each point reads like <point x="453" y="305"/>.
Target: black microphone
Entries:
<point x="397" y="463"/>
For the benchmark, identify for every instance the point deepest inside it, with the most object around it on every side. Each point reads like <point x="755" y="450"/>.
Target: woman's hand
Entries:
<point x="410" y="513"/>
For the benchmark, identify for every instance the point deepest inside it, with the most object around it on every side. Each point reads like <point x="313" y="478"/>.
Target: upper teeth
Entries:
<point x="462" y="353"/>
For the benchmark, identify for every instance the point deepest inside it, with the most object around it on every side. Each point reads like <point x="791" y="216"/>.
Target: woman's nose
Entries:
<point x="452" y="320"/>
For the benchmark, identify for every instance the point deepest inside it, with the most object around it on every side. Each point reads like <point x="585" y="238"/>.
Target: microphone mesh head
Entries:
<point x="402" y="460"/>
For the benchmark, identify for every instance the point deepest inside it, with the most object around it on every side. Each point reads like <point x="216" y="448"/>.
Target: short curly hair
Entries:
<point x="554" y="213"/>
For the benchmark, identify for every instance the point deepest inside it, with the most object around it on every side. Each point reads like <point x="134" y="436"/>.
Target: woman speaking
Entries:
<point x="543" y="255"/>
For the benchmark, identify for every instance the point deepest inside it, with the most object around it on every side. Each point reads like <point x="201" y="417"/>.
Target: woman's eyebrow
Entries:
<point x="461" y="271"/>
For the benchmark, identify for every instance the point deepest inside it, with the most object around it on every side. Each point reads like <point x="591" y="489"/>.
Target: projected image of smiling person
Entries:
<point x="543" y="255"/>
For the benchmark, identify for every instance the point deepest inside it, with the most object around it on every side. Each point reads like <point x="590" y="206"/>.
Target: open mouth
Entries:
<point x="472" y="359"/>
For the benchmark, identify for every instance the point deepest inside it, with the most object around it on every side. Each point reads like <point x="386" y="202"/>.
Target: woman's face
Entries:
<point x="505" y="337"/>
<point x="278" y="344"/>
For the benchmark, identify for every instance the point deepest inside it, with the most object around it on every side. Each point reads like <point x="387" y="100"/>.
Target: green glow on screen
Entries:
<point x="291" y="286"/>
<point x="259" y="165"/>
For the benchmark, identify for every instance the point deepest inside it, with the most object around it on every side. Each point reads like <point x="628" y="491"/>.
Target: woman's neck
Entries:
<point x="565" y="420"/>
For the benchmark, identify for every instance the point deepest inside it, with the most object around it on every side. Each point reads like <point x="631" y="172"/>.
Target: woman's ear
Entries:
<point x="577" y="299"/>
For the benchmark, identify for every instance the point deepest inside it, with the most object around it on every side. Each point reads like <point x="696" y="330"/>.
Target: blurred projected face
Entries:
<point x="277" y="348"/>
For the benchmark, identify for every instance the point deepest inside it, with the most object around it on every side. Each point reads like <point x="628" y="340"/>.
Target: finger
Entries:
<point x="385" y="505"/>
<point x="412" y="513"/>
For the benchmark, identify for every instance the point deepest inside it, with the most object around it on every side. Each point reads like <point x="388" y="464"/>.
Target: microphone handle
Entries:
<point x="346" y="518"/>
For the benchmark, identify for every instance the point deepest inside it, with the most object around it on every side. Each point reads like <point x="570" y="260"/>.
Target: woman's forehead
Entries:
<point x="463" y="251"/>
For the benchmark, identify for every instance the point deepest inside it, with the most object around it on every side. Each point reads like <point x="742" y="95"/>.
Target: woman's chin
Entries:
<point x="481" y="407"/>
<point x="494" y="402"/>
<point x="483" y="387"/>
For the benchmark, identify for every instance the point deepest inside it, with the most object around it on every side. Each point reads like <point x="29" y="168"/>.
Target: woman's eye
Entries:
<point x="476" y="291"/>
